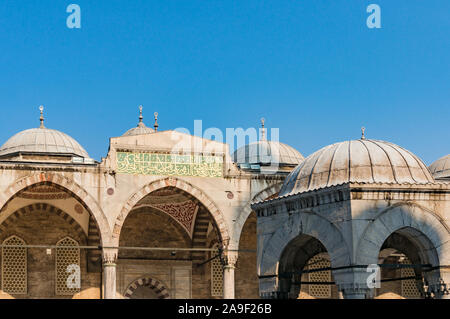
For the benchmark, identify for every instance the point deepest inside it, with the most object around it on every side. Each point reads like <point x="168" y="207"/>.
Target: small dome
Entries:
<point x="267" y="152"/>
<point x="42" y="141"/>
<point x="441" y="168"/>
<point x="141" y="128"/>
<point x="359" y="161"/>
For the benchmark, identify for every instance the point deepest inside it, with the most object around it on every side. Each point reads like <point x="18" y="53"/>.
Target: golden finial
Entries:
<point x="263" y="130"/>
<point x="156" y="121"/>
<point x="41" y="108"/>
<point x="363" y="129"/>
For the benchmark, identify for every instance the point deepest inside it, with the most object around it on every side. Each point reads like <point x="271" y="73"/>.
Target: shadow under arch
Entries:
<point x="64" y="184"/>
<point x="294" y="258"/>
<point x="179" y="184"/>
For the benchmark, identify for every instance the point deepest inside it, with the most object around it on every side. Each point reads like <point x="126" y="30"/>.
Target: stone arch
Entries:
<point x="434" y="235"/>
<point x="47" y="208"/>
<point x="247" y="210"/>
<point x="68" y="185"/>
<point x="157" y="286"/>
<point x="292" y="234"/>
<point x="178" y="184"/>
<point x="292" y="226"/>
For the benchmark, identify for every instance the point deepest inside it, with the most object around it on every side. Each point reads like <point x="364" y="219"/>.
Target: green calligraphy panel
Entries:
<point x="169" y="164"/>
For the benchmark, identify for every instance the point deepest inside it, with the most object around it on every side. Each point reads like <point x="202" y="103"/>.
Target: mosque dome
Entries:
<point x="141" y="128"/>
<point x="265" y="152"/>
<point x="441" y="168"/>
<point x="42" y="141"/>
<point x="359" y="161"/>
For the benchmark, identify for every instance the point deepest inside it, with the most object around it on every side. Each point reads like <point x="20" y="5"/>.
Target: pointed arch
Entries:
<point x="178" y="184"/>
<point x="47" y="208"/>
<point x="67" y="185"/>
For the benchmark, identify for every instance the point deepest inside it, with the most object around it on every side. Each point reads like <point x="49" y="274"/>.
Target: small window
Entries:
<point x="14" y="266"/>
<point x="216" y="275"/>
<point x="67" y="267"/>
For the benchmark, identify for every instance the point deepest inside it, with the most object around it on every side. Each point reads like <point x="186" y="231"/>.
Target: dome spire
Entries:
<point x="263" y="130"/>
<point x="363" y="129"/>
<point x="41" y="108"/>
<point x="156" y="121"/>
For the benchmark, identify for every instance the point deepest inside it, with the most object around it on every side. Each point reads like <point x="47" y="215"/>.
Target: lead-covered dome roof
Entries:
<point x="266" y="153"/>
<point x="359" y="161"/>
<point x="42" y="141"/>
<point x="441" y="168"/>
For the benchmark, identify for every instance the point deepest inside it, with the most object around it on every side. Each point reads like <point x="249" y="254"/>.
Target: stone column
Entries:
<point x="109" y="272"/>
<point x="228" y="274"/>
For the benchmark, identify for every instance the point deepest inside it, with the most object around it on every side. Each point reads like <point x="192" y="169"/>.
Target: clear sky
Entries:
<point x="311" y="68"/>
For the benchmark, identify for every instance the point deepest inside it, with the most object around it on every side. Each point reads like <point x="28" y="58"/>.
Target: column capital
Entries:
<point x="354" y="290"/>
<point x="109" y="256"/>
<point x="230" y="259"/>
<point x="353" y="282"/>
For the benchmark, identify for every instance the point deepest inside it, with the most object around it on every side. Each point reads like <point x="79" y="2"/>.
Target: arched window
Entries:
<point x="216" y="274"/>
<point x="68" y="273"/>
<point x="14" y="266"/>
<point x="322" y="290"/>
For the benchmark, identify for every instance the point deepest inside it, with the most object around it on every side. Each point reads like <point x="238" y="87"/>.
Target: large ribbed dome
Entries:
<point x="362" y="161"/>
<point x="441" y="168"/>
<point x="267" y="152"/>
<point x="42" y="141"/>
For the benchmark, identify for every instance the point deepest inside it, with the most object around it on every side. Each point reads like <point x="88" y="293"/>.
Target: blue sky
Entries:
<point x="311" y="68"/>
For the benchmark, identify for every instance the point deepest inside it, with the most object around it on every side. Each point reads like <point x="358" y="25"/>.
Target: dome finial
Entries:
<point x="363" y="129"/>
<point x="263" y="130"/>
<point x="141" y="123"/>
<point x="41" y="108"/>
<point x="156" y="122"/>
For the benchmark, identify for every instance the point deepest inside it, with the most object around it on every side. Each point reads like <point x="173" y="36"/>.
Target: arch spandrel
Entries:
<point x="246" y="211"/>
